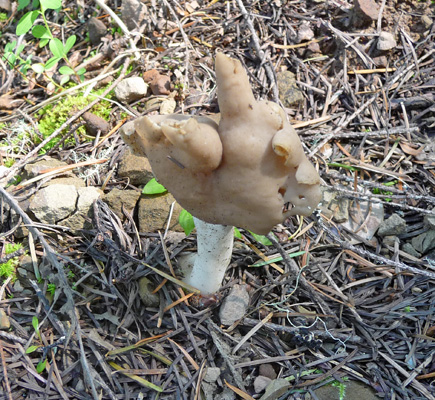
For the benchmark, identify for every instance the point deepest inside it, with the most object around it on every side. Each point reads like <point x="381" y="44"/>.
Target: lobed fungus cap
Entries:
<point x="246" y="168"/>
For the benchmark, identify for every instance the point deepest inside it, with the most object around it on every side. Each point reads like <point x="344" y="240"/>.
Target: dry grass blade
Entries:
<point x="136" y="378"/>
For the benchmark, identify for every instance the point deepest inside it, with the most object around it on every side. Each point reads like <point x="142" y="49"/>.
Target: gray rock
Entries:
<point x="234" y="305"/>
<point x="133" y="13"/>
<point x="353" y="391"/>
<point x="340" y="209"/>
<point x="84" y="209"/>
<point x="275" y="389"/>
<point x="267" y="370"/>
<point x="227" y="394"/>
<point x="394" y="225"/>
<point x="146" y="294"/>
<point x="5" y="323"/>
<point x="116" y="199"/>
<point x="96" y="30"/>
<point x="365" y="11"/>
<point x="131" y="89"/>
<point x="34" y="169"/>
<point x="289" y="93"/>
<point x="209" y="390"/>
<point x="389" y="240"/>
<point x="260" y="383"/>
<point x="212" y="374"/>
<point x="386" y="41"/>
<point x="154" y="210"/>
<point x="137" y="169"/>
<point x="305" y="33"/>
<point x="425" y="242"/>
<point x="67" y="180"/>
<point x="18" y="287"/>
<point x="408" y="248"/>
<point x="95" y="124"/>
<point x="54" y="203"/>
<point x="429" y="221"/>
<point x="5" y="5"/>
<point x="168" y="106"/>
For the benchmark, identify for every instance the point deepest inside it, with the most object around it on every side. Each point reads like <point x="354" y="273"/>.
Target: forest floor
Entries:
<point x="357" y="81"/>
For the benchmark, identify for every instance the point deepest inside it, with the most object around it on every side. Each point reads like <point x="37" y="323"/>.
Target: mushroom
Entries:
<point x="245" y="167"/>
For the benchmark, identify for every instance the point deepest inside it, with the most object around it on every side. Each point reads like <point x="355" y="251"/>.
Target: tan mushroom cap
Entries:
<point x="243" y="170"/>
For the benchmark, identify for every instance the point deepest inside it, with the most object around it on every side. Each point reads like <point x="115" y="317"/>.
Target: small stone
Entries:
<point x="260" y="383"/>
<point x="289" y="93"/>
<point x="68" y="180"/>
<point x="95" y="124"/>
<point x="5" y="5"/>
<point x="275" y="389"/>
<point x="5" y="323"/>
<point x="117" y="198"/>
<point x="146" y="294"/>
<point x="366" y="10"/>
<point x="340" y="209"/>
<point x="429" y="221"/>
<point x="389" y="240"/>
<point x="426" y="22"/>
<point x="386" y="41"/>
<point x="314" y="48"/>
<point x="234" y="305"/>
<point x="150" y="75"/>
<point x="380" y="61"/>
<point x="394" y="225"/>
<point x="32" y="170"/>
<point x="267" y="370"/>
<point x="168" y="106"/>
<point x="18" y="287"/>
<point x="305" y="33"/>
<point x="54" y="203"/>
<point x="212" y="374"/>
<point x="136" y="168"/>
<point x="161" y="85"/>
<point x="96" y="30"/>
<point x="131" y="89"/>
<point x="153" y="212"/>
<point x="133" y="13"/>
<point x="408" y="248"/>
<point x="425" y="242"/>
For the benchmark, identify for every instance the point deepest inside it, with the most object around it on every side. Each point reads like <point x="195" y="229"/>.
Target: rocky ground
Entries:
<point x="90" y="305"/>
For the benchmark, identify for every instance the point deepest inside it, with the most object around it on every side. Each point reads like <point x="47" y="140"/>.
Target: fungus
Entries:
<point x="245" y="167"/>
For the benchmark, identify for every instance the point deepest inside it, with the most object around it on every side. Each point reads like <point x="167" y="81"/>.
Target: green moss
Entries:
<point x="7" y="269"/>
<point x="54" y="115"/>
<point x="3" y="16"/>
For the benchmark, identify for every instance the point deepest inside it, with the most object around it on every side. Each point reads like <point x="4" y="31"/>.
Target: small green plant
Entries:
<point x="51" y="288"/>
<point x="341" y="386"/>
<point x="54" y="115"/>
<point x="385" y="192"/>
<point x="154" y="187"/>
<point x="3" y="16"/>
<point x="58" y="49"/>
<point x="8" y="269"/>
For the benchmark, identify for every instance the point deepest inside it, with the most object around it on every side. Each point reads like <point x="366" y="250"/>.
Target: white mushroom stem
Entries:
<point x="215" y="245"/>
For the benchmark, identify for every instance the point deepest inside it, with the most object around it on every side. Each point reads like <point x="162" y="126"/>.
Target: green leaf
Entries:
<point x="41" y="366"/>
<point x="22" y="4"/>
<point x="261" y="238"/>
<point x="186" y="221"/>
<point x="35" y="323"/>
<point x="31" y="349"/>
<point x="10" y="46"/>
<point x="81" y="71"/>
<point x="51" y="62"/>
<point x="26" y="22"/>
<point x="57" y="48"/>
<point x="153" y="187"/>
<point x="51" y="4"/>
<point x="40" y="31"/>
<point x="64" y="79"/>
<point x="237" y="233"/>
<point x="43" y="43"/>
<point x="69" y="43"/>
<point x="65" y="70"/>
